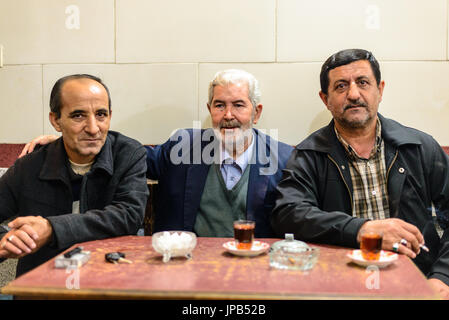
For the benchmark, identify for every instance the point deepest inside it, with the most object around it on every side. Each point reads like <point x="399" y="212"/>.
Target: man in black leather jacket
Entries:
<point x="366" y="171"/>
<point x="89" y="184"/>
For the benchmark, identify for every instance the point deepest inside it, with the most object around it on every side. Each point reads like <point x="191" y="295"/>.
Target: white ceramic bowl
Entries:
<point x="174" y="244"/>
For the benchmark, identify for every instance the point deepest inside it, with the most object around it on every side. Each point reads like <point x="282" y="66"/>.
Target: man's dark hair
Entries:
<point x="345" y="57"/>
<point x="55" y="96"/>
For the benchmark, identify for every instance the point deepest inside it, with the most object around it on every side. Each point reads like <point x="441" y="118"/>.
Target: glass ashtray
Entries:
<point x="174" y="244"/>
<point x="292" y="254"/>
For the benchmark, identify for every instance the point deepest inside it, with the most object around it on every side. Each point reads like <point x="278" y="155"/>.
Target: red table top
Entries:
<point x="213" y="273"/>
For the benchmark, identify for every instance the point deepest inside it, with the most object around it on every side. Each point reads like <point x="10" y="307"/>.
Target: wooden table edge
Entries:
<point x="99" y="294"/>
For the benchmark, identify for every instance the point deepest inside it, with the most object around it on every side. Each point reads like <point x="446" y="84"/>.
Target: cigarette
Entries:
<point x="424" y="247"/>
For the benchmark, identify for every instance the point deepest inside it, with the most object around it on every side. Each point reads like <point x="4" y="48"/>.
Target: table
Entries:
<point x="213" y="273"/>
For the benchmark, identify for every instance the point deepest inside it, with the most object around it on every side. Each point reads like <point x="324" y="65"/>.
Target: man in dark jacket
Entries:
<point x="89" y="184"/>
<point x="208" y="178"/>
<point x="364" y="171"/>
<point x="183" y="187"/>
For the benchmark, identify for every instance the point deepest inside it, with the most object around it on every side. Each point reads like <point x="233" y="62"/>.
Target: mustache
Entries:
<point x="230" y="124"/>
<point x="90" y="137"/>
<point x="356" y="104"/>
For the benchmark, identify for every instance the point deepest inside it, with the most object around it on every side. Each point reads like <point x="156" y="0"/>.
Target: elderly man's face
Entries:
<point x="85" y="119"/>
<point x="233" y="115"/>
<point x="353" y="95"/>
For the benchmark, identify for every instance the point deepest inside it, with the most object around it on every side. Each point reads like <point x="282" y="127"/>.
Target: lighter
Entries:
<point x="74" y="258"/>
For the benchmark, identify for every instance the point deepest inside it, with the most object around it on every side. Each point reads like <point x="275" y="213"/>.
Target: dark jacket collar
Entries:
<point x="325" y="140"/>
<point x="55" y="164"/>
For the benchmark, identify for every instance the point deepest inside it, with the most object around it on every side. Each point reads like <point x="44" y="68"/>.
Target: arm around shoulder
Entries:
<point x="173" y="151"/>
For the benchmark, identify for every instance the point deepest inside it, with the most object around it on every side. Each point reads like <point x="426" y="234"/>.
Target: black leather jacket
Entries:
<point x="314" y="197"/>
<point x="112" y="199"/>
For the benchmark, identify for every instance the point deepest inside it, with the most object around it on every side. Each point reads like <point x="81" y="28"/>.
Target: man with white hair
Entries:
<point x="207" y="178"/>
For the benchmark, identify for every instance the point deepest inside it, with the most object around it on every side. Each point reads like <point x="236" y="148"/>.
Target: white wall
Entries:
<point x="157" y="58"/>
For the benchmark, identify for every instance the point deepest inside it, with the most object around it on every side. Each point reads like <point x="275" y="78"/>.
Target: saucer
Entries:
<point x="258" y="247"/>
<point x="386" y="258"/>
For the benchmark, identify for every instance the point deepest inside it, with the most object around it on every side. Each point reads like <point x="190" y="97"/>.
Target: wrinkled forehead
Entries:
<point x="235" y="90"/>
<point x="83" y="85"/>
<point x="78" y="90"/>
<point x="351" y="71"/>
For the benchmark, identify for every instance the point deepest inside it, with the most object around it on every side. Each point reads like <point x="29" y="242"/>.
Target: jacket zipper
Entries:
<point x="343" y="178"/>
<point x="347" y="187"/>
<point x="82" y="192"/>
<point x="389" y="168"/>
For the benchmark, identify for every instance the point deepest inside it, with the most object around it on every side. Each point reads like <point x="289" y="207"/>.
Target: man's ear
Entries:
<point x="54" y="120"/>
<point x="381" y="90"/>
<point x="257" y="113"/>
<point x="323" y="97"/>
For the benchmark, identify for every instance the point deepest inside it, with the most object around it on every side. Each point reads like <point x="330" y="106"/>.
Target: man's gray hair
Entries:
<point x="234" y="76"/>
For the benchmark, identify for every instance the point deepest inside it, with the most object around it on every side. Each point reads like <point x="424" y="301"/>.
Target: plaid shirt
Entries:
<point x="369" y="180"/>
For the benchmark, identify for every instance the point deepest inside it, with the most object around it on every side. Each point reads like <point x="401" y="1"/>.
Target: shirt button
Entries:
<point x="401" y="170"/>
<point x="374" y="192"/>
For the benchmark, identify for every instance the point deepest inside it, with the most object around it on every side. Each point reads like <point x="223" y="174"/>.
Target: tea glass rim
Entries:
<point x="369" y="230"/>
<point x="243" y="221"/>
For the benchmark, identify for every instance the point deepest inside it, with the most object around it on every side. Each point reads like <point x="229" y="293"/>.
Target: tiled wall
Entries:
<point x="157" y="58"/>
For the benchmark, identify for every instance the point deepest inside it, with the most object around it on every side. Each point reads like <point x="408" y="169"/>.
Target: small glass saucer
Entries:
<point x="258" y="247"/>
<point x="386" y="258"/>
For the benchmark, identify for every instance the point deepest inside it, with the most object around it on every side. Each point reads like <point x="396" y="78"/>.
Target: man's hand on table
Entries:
<point x="440" y="287"/>
<point x="27" y="235"/>
<point x="393" y="231"/>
